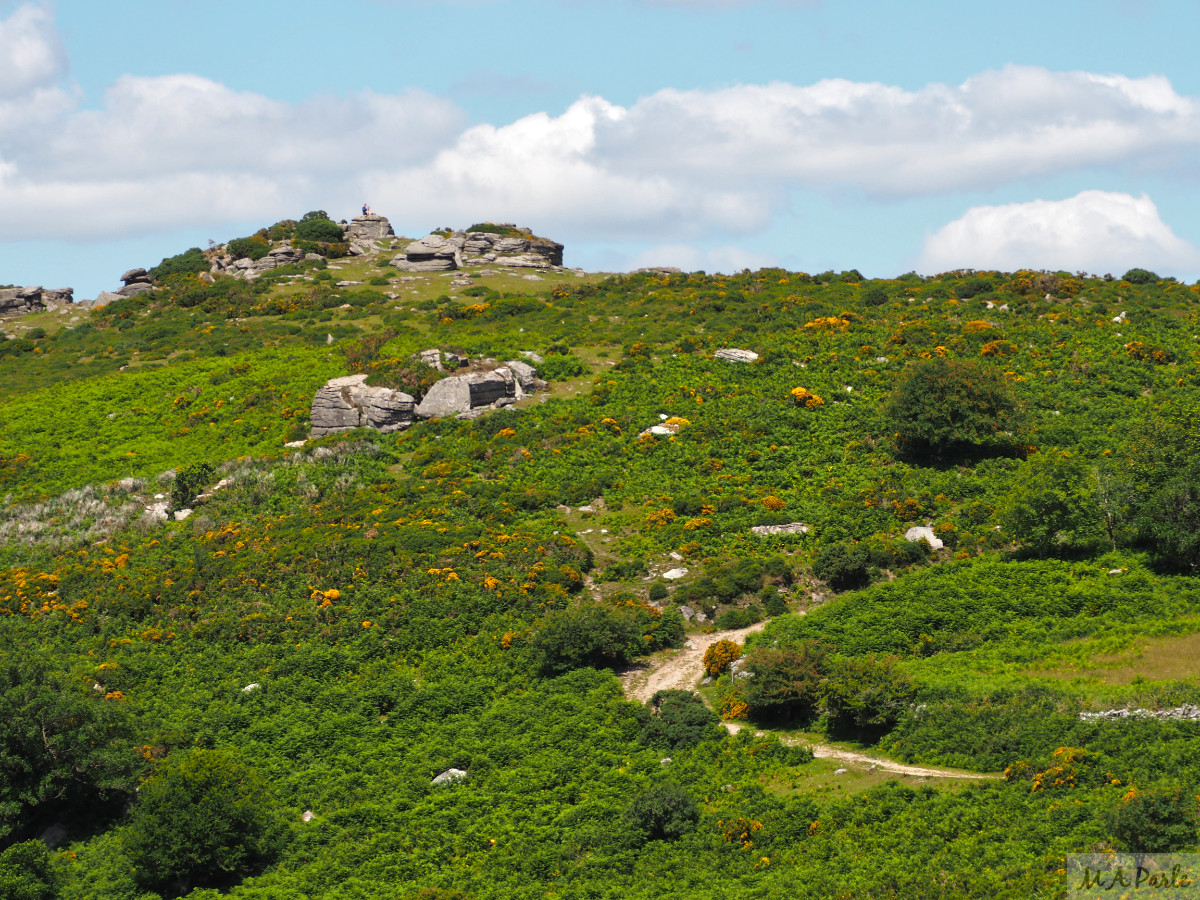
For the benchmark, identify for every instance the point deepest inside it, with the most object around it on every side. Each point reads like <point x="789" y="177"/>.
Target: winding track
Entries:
<point x="682" y="670"/>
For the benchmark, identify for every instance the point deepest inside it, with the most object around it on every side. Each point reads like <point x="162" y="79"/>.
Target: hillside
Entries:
<point x="373" y="665"/>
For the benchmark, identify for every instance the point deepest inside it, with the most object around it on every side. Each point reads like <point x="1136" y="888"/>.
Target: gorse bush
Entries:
<point x="720" y="655"/>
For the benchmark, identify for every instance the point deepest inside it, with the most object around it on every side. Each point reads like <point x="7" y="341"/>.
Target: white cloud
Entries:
<point x="1094" y="231"/>
<point x="676" y="167"/>
<point x="31" y="53"/>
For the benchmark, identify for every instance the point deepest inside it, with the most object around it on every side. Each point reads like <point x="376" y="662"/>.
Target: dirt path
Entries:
<point x="682" y="669"/>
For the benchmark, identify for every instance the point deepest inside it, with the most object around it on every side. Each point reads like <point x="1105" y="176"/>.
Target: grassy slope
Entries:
<point x="411" y="671"/>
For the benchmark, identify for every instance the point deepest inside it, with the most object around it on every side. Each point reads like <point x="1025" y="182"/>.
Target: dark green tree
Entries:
<point x="676" y="720"/>
<point x="665" y="812"/>
<point x="62" y="749"/>
<point x="786" y="682"/>
<point x="203" y="820"/>
<point x="842" y="566"/>
<point x="944" y="406"/>
<point x="190" y="481"/>
<point x="865" y="694"/>
<point x="1155" y="821"/>
<point x="1051" y="509"/>
<point x="588" y="635"/>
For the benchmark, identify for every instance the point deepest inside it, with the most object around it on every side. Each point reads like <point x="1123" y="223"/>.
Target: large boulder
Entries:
<point x="431" y="254"/>
<point x="21" y="301"/>
<point x="369" y="228"/>
<point x="466" y="395"/>
<point x="343" y="404"/>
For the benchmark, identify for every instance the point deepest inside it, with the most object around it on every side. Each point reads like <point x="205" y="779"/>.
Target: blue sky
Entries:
<point x="714" y="135"/>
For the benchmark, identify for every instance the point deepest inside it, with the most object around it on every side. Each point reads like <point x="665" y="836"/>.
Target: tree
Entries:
<point x="1156" y="821"/>
<point x="190" y="480"/>
<point x="62" y="750"/>
<point x="786" y="683"/>
<point x="665" y="812"/>
<point x="1051" y="509"/>
<point x="203" y="820"/>
<point x="842" y="566"/>
<point x="589" y="635"/>
<point x="865" y="694"/>
<point x="317" y="226"/>
<point x="676" y="720"/>
<point x="1141" y="276"/>
<point x="947" y="405"/>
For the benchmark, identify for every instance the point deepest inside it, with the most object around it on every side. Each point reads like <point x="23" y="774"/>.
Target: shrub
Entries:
<point x="1155" y="821"/>
<point x="875" y="296"/>
<point x="190" y="481"/>
<point x="1141" y="276"/>
<point x="718" y="657"/>
<point x="973" y="287"/>
<point x="946" y="404"/>
<point x="190" y="262"/>
<point x="558" y="367"/>
<point x="204" y="820"/>
<point x="676" y="720"/>
<point x="842" y="566"/>
<point x="658" y="592"/>
<point x="665" y="812"/>
<point x="589" y="635"/>
<point x="1051" y="509"/>
<point x="317" y="226"/>
<point x="248" y="248"/>
<point x="26" y="874"/>
<point x="786" y="683"/>
<point x="865" y="694"/>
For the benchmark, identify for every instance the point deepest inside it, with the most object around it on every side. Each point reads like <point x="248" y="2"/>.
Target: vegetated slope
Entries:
<point x="347" y="621"/>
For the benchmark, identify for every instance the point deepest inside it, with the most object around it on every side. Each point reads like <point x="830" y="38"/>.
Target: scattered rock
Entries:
<point x="251" y="688"/>
<point x="1187" y="712"/>
<point x="687" y="612"/>
<point x="308" y="816"/>
<point x="295" y="444"/>
<point x="1116" y="571"/>
<point x="181" y="514"/>
<point x="793" y="528"/>
<point x="737" y="669"/>
<point x="659" y="270"/>
<point x="451" y="776"/>
<point x="674" y="574"/>
<point x="534" y="358"/>
<point x="839" y="771"/>
<point x="735" y="355"/>
<point x="665" y="761"/>
<point x="346" y="403"/>
<point x="924" y="533"/>
<point x="441" y="253"/>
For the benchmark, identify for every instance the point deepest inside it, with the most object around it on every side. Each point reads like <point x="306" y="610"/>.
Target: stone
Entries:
<point x="674" y="574"/>
<point x="451" y="776"/>
<point x="132" y="290"/>
<point x="251" y="688"/>
<point x="430" y="254"/>
<point x="105" y="298"/>
<point x="308" y="816"/>
<point x="687" y="612"/>
<point x="793" y="528"/>
<point x="525" y="374"/>
<point x="839" y="771"/>
<point x="533" y="357"/>
<point x="21" y="301"/>
<point x="295" y="445"/>
<point x="181" y="514"/>
<point x="369" y="228"/>
<point x="924" y="533"/>
<point x="135" y="275"/>
<point x="734" y="355"/>
<point x="665" y="761"/>
<point x="659" y="270"/>
<point x="1116" y="571"/>
<point x="470" y="393"/>
<point x="343" y="404"/>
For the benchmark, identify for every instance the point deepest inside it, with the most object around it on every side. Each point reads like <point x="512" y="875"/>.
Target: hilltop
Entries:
<point x="950" y="520"/>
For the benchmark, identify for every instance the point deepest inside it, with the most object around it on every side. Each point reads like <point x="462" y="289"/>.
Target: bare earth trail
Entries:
<point x="682" y="670"/>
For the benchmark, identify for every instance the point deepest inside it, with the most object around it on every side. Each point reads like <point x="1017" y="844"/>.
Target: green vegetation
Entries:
<point x="342" y="622"/>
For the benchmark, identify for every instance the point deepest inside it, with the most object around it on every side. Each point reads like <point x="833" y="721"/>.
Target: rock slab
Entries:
<point x="344" y="404"/>
<point x="924" y="533"/>
<point x="732" y="354"/>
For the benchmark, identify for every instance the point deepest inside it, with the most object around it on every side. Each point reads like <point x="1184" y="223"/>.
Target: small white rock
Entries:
<point x="674" y="574"/>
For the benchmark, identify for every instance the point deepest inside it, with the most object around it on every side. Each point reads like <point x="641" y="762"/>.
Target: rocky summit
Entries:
<point x="507" y="246"/>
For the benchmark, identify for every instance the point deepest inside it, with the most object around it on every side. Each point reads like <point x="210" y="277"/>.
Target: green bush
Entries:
<point x="1155" y="821"/>
<point x="190" y="481"/>
<point x="875" y="295"/>
<point x="1051" y="509"/>
<point x="203" y="820"/>
<point x="842" y="566"/>
<point x="317" y="226"/>
<point x="248" y="248"/>
<point x="589" y="635"/>
<point x="943" y="405"/>
<point x="558" y="368"/>
<point x="973" y="287"/>
<point x="190" y="262"/>
<point x="665" y="812"/>
<point x="676" y="720"/>
<point x="1141" y="276"/>
<point x="26" y="874"/>
<point x="865" y="695"/>
<point x="786" y="682"/>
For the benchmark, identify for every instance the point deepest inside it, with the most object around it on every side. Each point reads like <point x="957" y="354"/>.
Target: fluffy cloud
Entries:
<point x="1094" y="231"/>
<point x="675" y="167"/>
